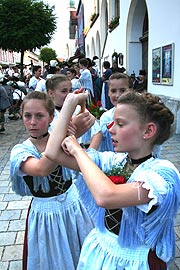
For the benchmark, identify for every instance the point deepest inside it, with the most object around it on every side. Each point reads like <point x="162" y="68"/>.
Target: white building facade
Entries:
<point x="138" y="34"/>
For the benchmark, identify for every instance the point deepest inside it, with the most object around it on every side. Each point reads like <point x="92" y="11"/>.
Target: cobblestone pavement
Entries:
<point x="13" y="208"/>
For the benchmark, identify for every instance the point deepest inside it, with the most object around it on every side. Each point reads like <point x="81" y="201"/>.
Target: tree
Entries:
<point x="47" y="54"/>
<point x="25" y="25"/>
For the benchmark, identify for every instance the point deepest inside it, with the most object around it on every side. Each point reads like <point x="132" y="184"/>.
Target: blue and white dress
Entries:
<point x="87" y="136"/>
<point x="141" y="230"/>
<point x="58" y="222"/>
<point x="106" y="142"/>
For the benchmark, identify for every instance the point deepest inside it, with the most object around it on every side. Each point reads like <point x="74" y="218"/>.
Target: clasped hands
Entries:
<point x="81" y="122"/>
<point x="70" y="145"/>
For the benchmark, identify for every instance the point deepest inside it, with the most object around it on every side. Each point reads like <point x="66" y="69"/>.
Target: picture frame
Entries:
<point x="163" y="65"/>
<point x="156" y="65"/>
<point x="167" y="64"/>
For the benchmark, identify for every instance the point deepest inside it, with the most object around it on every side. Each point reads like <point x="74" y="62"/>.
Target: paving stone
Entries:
<point x="4" y="183"/>
<point x="4" y="190"/>
<point x="16" y="225"/>
<point x="24" y="214"/>
<point x="3" y="226"/>
<point x="15" y="265"/>
<point x="12" y="253"/>
<point x="3" y="205"/>
<point x="5" y="173"/>
<point x="7" y="238"/>
<point x="10" y="214"/>
<point x="10" y="190"/>
<point x="20" y="238"/>
<point x="26" y="198"/>
<point x="173" y="267"/>
<point x="11" y="197"/>
<point x="18" y="205"/>
<point x="178" y="243"/>
<point x="177" y="230"/>
<point x="177" y="250"/>
<point x="177" y="220"/>
<point x="4" y="265"/>
<point x="177" y="262"/>
<point x="1" y="252"/>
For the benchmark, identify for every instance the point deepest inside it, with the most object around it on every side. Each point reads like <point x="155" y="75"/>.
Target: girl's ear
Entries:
<point x="50" y="93"/>
<point x="51" y="118"/>
<point x="150" y="130"/>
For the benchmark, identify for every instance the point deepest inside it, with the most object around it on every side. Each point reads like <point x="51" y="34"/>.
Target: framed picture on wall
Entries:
<point x="156" y="65"/>
<point x="167" y="64"/>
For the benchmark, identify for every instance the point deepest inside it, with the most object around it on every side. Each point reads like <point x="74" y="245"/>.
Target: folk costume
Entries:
<point x="105" y="120"/>
<point x="145" y="239"/>
<point x="57" y="222"/>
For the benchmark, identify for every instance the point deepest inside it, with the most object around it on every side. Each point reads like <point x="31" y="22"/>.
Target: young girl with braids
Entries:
<point x="58" y="222"/>
<point x="135" y="219"/>
<point x="119" y="83"/>
<point x="58" y="87"/>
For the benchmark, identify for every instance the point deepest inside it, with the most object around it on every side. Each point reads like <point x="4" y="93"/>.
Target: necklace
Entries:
<point x="132" y="161"/>
<point x="40" y="137"/>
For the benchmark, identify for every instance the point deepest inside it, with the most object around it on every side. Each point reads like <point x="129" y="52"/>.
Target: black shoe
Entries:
<point x="2" y="129"/>
<point x="13" y="117"/>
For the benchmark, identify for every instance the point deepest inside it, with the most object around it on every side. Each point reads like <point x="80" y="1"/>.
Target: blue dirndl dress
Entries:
<point x="56" y="225"/>
<point x="140" y="232"/>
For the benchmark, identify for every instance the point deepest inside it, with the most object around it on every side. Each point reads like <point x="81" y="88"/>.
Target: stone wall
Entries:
<point x="174" y="105"/>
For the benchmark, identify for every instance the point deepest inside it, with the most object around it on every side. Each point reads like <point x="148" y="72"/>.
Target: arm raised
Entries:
<point x="53" y="149"/>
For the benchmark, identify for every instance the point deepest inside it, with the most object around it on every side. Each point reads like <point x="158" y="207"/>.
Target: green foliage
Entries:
<point x="47" y="54"/>
<point x="119" y="170"/>
<point x="25" y="24"/>
<point x="96" y="110"/>
<point x="114" y="21"/>
<point x="93" y="16"/>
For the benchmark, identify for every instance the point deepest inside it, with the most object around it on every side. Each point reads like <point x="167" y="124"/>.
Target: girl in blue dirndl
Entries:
<point x="135" y="220"/>
<point x="57" y="222"/>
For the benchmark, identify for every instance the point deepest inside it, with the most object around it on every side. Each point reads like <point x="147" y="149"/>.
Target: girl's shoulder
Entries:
<point x="155" y="168"/>
<point x="25" y="147"/>
<point x="161" y="164"/>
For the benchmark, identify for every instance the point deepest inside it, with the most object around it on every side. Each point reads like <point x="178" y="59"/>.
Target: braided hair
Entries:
<point x="48" y="103"/>
<point x="54" y="81"/>
<point x="151" y="109"/>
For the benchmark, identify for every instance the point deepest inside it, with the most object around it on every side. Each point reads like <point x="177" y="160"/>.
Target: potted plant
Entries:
<point x="93" y="16"/>
<point x="114" y="22"/>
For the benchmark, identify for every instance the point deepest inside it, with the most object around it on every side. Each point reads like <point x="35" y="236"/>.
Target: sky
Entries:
<point x="60" y="38"/>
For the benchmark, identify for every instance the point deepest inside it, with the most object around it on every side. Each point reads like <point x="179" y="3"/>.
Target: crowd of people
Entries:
<point x="108" y="204"/>
<point x="84" y="73"/>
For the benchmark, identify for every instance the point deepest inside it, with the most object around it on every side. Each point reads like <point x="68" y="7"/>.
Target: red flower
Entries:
<point x="95" y="109"/>
<point x="99" y="104"/>
<point x="119" y="179"/>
